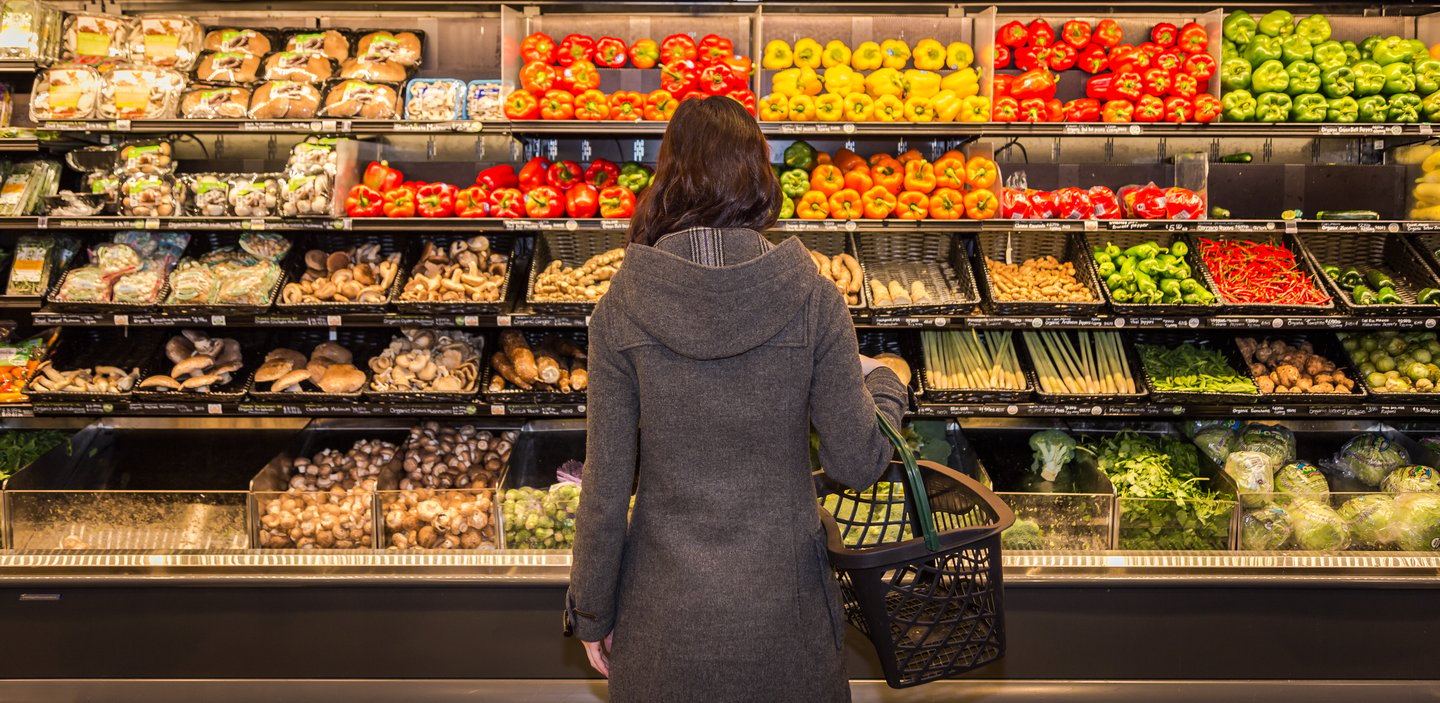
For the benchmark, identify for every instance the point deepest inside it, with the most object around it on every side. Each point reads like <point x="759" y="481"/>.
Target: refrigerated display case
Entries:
<point x="194" y="526"/>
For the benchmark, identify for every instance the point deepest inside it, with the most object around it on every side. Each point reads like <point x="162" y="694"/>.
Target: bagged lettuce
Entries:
<point x="1274" y="441"/>
<point x="1371" y="520"/>
<point x="1370" y="457"/>
<point x="1264" y="529"/>
<point x="1417" y="522"/>
<point x="1411" y="479"/>
<point x="1317" y="527"/>
<point x="1302" y="479"/>
<point x="1253" y="475"/>
<point x="1216" y="441"/>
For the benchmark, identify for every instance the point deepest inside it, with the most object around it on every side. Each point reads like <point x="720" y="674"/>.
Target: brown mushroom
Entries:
<point x="272" y="370"/>
<point x="342" y="378"/>
<point x="161" y="381"/>
<point x="201" y="383"/>
<point x="194" y="364"/>
<point x="291" y="381"/>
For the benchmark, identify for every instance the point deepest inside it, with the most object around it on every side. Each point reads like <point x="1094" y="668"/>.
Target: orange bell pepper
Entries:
<point x="813" y="205"/>
<point x="827" y="179"/>
<point x="859" y="180"/>
<point x="947" y="204"/>
<point x="879" y="203"/>
<point x="847" y="159"/>
<point x="909" y="156"/>
<point x="950" y="172"/>
<point x="845" y="205"/>
<point x="912" y="206"/>
<point x="919" y="176"/>
<point x="877" y="158"/>
<point x="981" y="204"/>
<point x="981" y="173"/>
<point x="952" y="154"/>
<point x="822" y="158"/>
<point x="888" y="175"/>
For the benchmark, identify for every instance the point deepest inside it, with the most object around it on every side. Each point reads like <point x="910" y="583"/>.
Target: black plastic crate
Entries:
<point x="202" y="243"/>
<point x="1127" y="239"/>
<point x="517" y="395"/>
<point x="87" y="347"/>
<point x="927" y="393"/>
<point x="1325" y="345"/>
<point x="1132" y="362"/>
<point x="571" y="249"/>
<point x="1381" y="395"/>
<point x="1222" y="343"/>
<point x="1302" y="263"/>
<point x="1017" y="247"/>
<point x="936" y="259"/>
<point x="362" y="344"/>
<point x="253" y="343"/>
<point x="390" y="243"/>
<point x="1388" y="252"/>
<point x="499" y="243"/>
<point x="831" y="244"/>
<point x="480" y="345"/>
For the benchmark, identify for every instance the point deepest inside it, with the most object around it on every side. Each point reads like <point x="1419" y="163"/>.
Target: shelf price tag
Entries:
<point x="42" y="222"/>
<point x="333" y="320"/>
<point x="472" y="321"/>
<point x="503" y="321"/>
<point x="122" y="320"/>
<point x="497" y="410"/>
<point x="214" y="408"/>
<point x="218" y="320"/>
<point x="152" y="223"/>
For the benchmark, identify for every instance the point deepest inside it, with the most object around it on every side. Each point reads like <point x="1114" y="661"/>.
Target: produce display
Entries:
<point x="356" y="275"/>
<point x="428" y="361"/>
<point x="870" y="83"/>
<point x="466" y="271"/>
<point x="539" y="518"/>
<point x="99" y="379"/>
<point x="971" y="360"/>
<point x="844" y="271"/>
<point x="1188" y="368"/>
<point x="539" y="189"/>
<point x="131" y="269"/>
<point x="246" y="275"/>
<point x="586" y="283"/>
<point x="1275" y="69"/>
<point x="19" y="361"/>
<point x="1395" y="362"/>
<point x="885" y="293"/>
<point x="426" y="518"/>
<point x="1043" y="279"/>
<point x="1163" y="78"/>
<point x="1424" y="198"/>
<point x="329" y="368"/>
<point x="845" y="186"/>
<point x="1080" y="363"/>
<point x="1278" y="367"/>
<point x="446" y="456"/>
<point x="18" y="448"/>
<point x="201" y="362"/>
<point x="1377" y="286"/>
<point x="561" y="81"/>
<point x="1147" y="202"/>
<point x="1165" y="502"/>
<point x="328" y="504"/>
<point x="1249" y="272"/>
<point x="1149" y="274"/>
<point x="555" y="364"/>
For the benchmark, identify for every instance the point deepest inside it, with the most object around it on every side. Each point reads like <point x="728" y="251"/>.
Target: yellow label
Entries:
<point x="11" y="188"/>
<point x="92" y="44"/>
<point x="131" y="98"/>
<point x="161" y="48"/>
<point x="65" y="97"/>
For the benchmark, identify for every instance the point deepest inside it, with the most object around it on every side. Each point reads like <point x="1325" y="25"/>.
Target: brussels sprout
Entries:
<point x="1318" y="527"/>
<point x="1265" y="529"/>
<point x="536" y="518"/>
<point x="1411" y="479"/>
<point x="1417" y="521"/>
<point x="1370" y="519"/>
<point x="1302" y="480"/>
<point x="1370" y="457"/>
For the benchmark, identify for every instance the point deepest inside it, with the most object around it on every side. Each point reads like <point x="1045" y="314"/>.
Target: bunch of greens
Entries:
<point x="1053" y="451"/>
<point x="1175" y="510"/>
<point x="1191" y="369"/>
<point x="21" y="447"/>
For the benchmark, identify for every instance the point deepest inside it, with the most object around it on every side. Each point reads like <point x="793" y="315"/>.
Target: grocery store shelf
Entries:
<point x="17" y="66"/>
<point x="319" y="126"/>
<point x="19" y="145"/>
<point x="1101" y="408"/>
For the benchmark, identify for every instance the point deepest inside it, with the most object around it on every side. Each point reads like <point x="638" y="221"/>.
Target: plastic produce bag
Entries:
<point x="150" y="158"/>
<point x="541" y="519"/>
<point x="65" y="93"/>
<point x="1253" y="475"/>
<point x="1317" y="527"/>
<point x="30" y="271"/>
<point x="1417" y="522"/>
<point x="1301" y="479"/>
<point x="1217" y="441"/>
<point x="210" y="101"/>
<point x="139" y="288"/>
<point x="1264" y="529"/>
<point x="1371" y="520"/>
<point x="312" y="157"/>
<point x="434" y="99"/>
<point x="1274" y="441"/>
<point x="1411" y="479"/>
<point x="26" y="185"/>
<point x="149" y="196"/>
<point x="166" y="42"/>
<point x="1370" y="457"/>
<point x="87" y="284"/>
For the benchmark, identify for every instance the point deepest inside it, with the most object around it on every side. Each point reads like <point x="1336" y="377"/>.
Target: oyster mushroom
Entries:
<point x="162" y="382"/>
<point x="194" y="364"/>
<point x="178" y="349"/>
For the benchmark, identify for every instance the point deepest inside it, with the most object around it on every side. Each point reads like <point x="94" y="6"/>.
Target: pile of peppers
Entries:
<point x="846" y="186"/>
<point x="1147" y="202"/>
<point x="1254" y="272"/>
<point x="561" y="81"/>
<point x="1163" y="79"/>
<point x="540" y="189"/>
<point x="1276" y="69"/>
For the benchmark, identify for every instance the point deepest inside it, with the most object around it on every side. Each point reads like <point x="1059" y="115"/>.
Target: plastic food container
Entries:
<point x="209" y="101"/>
<point x="403" y="48"/>
<point x="65" y="93"/>
<point x="331" y="43"/>
<point x="306" y="196"/>
<point x="314" y="156"/>
<point x="150" y="196"/>
<point x="166" y="42"/>
<point x="252" y="42"/>
<point x="429" y="99"/>
<point x="29" y="30"/>
<point x="374" y="70"/>
<point x="305" y="67"/>
<point x="149" y="158"/>
<point x="284" y="100"/>
<point x="209" y="195"/>
<point x="483" y="101"/>
<point x="90" y="38"/>
<point x="254" y="195"/>
<point x="228" y="67"/>
<point x="140" y="93"/>
<point x="354" y="98"/>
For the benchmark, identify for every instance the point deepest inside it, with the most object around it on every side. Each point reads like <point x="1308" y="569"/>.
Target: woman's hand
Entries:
<point x="599" y="653"/>
<point x="867" y="365"/>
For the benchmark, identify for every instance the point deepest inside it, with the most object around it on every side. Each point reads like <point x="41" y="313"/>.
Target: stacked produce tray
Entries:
<point x="514" y="394"/>
<point x="500" y="243"/>
<point x="389" y="243"/>
<point x="1288" y="241"/>
<point x="362" y="344"/>
<point x="572" y="249"/>
<point x="88" y="348"/>
<point x="1215" y="342"/>
<point x="1125" y="240"/>
<point x="928" y="392"/>
<point x="1389" y="253"/>
<point x="937" y="260"/>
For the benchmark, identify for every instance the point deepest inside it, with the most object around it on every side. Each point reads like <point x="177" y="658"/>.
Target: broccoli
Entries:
<point x="1024" y="534"/>
<point x="1053" y="451"/>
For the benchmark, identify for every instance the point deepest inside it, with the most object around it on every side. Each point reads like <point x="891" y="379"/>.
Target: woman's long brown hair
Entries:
<point x="714" y="171"/>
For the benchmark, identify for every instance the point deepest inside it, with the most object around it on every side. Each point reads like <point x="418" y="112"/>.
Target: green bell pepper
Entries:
<point x="1309" y="107"/>
<point x="1337" y="82"/>
<point x="1391" y="50"/>
<point x="1330" y="54"/>
<point x="1261" y="49"/>
<point x="1269" y="77"/>
<point x="787" y="207"/>
<point x="1342" y="110"/>
<point x="1235" y="74"/>
<point x="1273" y="107"/>
<point x="1239" y="106"/>
<point x="1416" y="49"/>
<point x="1105" y="268"/>
<point x="1430" y="107"/>
<point x="1304" y="78"/>
<point x="1352" y="52"/>
<point x="794" y="182"/>
<point x="634" y="177"/>
<point x="1399" y="78"/>
<point x="800" y="155"/>
<point x="1238" y="27"/>
<point x="1314" y="28"/>
<point x="1228" y="50"/>
<point x="1276" y="23"/>
<point x="1404" y="107"/>
<point x="1373" y="108"/>
<point x="1296" y="48"/>
<point x="1367" y="47"/>
<point x="1427" y="75"/>
<point x="1369" y="78"/>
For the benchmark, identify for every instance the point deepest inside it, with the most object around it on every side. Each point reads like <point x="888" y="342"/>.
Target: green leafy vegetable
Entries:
<point x="1188" y="368"/>
<point x="21" y="447"/>
<point x="1164" y="502"/>
<point x="1053" y="451"/>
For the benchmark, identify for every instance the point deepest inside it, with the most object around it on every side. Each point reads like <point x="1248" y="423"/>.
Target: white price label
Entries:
<point x="218" y="320"/>
<point x="473" y="320"/>
<point x="333" y="321"/>
<point x="502" y="321"/>
<point x="213" y="408"/>
<point x="122" y="320"/>
<point x="152" y="223"/>
<point x="497" y="410"/>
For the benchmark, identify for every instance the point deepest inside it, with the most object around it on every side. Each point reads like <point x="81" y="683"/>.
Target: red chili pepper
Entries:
<point x="1251" y="272"/>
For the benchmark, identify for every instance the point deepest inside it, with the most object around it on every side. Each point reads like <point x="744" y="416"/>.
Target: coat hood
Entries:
<point x="705" y="312"/>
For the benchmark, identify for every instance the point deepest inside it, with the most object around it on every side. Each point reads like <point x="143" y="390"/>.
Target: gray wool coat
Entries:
<point x="710" y="358"/>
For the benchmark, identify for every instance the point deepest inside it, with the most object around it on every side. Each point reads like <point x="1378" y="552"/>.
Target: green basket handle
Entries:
<point x="915" y="481"/>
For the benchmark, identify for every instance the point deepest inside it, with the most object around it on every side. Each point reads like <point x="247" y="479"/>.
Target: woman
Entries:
<point x="710" y="358"/>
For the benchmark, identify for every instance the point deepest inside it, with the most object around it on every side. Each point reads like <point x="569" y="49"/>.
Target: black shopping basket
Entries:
<point x="918" y="559"/>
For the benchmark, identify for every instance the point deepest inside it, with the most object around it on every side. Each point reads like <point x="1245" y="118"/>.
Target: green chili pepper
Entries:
<point x="1373" y="108"/>
<point x="1273" y="107"/>
<point x="1239" y="106"/>
<point x="1362" y="295"/>
<point x="1351" y="277"/>
<point x="1342" y="110"/>
<point x="1235" y="74"/>
<point x="1337" y="82"/>
<point x="1388" y="296"/>
<point x="1296" y="48"/>
<point x="1378" y="279"/>
<point x="1304" y="77"/>
<point x="1309" y="107"/>
<point x="1276" y="23"/>
<point x="1428" y="296"/>
<point x="1238" y="27"/>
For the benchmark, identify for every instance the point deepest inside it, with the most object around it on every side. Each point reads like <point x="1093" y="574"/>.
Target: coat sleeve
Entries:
<point x="612" y="429"/>
<point x="843" y="402"/>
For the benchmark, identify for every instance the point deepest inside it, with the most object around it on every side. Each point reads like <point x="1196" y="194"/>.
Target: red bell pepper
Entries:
<point x="544" y="201"/>
<point x="1117" y="111"/>
<point x="1002" y="56"/>
<point x="1014" y="203"/>
<point x="713" y="49"/>
<point x="1073" y="204"/>
<point x="557" y="105"/>
<point x="625" y="105"/>
<point x="602" y="173"/>
<point x="592" y="105"/>
<point x="745" y="97"/>
<point x="1149" y="109"/>
<point x="1099" y="87"/>
<point x="1005" y="109"/>
<point x="1031" y="57"/>
<point x="1012" y="34"/>
<point x="1207" y="107"/>
<point x="617" y="201"/>
<point x="1093" y="59"/>
<point x="538" y="47"/>
<point x="1178" y="109"/>
<point x="472" y="202"/>
<point x="507" y="202"/>
<point x="1184" y="85"/>
<point x="1150" y="49"/>
<point x="678" y="47"/>
<point x="522" y="105"/>
<point x="1155" y="81"/>
<point x="716" y="79"/>
<point x="1169" y="59"/>
<point x="1043" y="205"/>
<point x="1183" y="204"/>
<point x="1202" y="66"/>
<point x="644" y="53"/>
<point x="582" y="201"/>
<point x="564" y="175"/>
<point x="1105" y="203"/>
<point x="502" y="176"/>
<point x="741" y="67"/>
<point x="400" y="202"/>
<point x="1037" y="83"/>
<point x="1003" y="83"/>
<point x="1193" y="39"/>
<point x="1082" y="110"/>
<point x="1076" y="33"/>
<point x="538" y="76"/>
<point x="533" y="173"/>
<point x="1033" y="110"/>
<point x="1054" y="110"/>
<point x="1041" y="33"/>
<point x="1062" y="56"/>
<point x="1108" y="34"/>
<point x="660" y="105"/>
<point x="379" y="176"/>
<point x="1127" y="86"/>
<point x="610" y="52"/>
<point x="1128" y="59"/>
<point x="678" y="77"/>
<point x="436" y="200"/>
<point x="364" y="201"/>
<point x="575" y="47"/>
<point x="1164" y="34"/>
<point x="580" y="76"/>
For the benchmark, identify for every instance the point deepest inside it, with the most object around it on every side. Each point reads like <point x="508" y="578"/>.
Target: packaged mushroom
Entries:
<point x="483" y="100"/>
<point x="329" y="369"/>
<point x="251" y="42"/>
<point x="357" y="275"/>
<point x="357" y="98"/>
<point x="429" y="99"/>
<point x="455" y="456"/>
<point x="65" y="93"/>
<point x="199" y="363"/>
<point x="254" y="194"/>
<point x="275" y="100"/>
<point x="428" y="361"/>
<point x="139" y="93"/>
<point x="167" y="42"/>
<point x="129" y="270"/>
<point x="210" y="101"/>
<point x="98" y="380"/>
<point x="209" y="194"/>
<point x="374" y="71"/>
<point x="29" y="29"/>
<point x="150" y="196"/>
<point x="90" y="38"/>
<point x="264" y="246"/>
<point x="328" y="504"/>
<point x="465" y="271"/>
<point x="312" y="157"/>
<point x="227" y="67"/>
<point x="145" y="158"/>
<point x="306" y="196"/>
<point x="556" y="365"/>
<point x="586" y="283"/>
<point x="402" y="48"/>
<point x="331" y="43"/>
<point x="299" y="66"/>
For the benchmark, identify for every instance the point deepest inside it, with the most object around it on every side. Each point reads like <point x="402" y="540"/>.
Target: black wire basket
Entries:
<point x="363" y="345"/>
<point x="1125" y="240"/>
<point x="935" y="259"/>
<point x="1017" y="247"/>
<point x="831" y="244"/>
<point x="516" y="395"/>
<point x="1132" y="364"/>
<point x="571" y="249"/>
<point x="202" y="243"/>
<point x="1221" y="343"/>
<point x="330" y="242"/>
<point x="1392" y="254"/>
<point x="1327" y="346"/>
<point x="1273" y="239"/>
<point x="928" y="393"/>
<point x="499" y="243"/>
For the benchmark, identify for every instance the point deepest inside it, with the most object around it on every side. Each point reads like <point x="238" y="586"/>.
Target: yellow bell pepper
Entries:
<point x="965" y="82"/>
<point x="921" y="84"/>
<point x="975" y="108"/>
<point x="889" y="108"/>
<point x="1427" y="192"/>
<point x="947" y="105"/>
<point x="836" y="54"/>
<point x="830" y="107"/>
<point x="896" y="53"/>
<point x="929" y="55"/>
<point x="802" y="108"/>
<point x="777" y="55"/>
<point x="796" y="81"/>
<point x="959" y="55"/>
<point x="919" y="109"/>
<point x="775" y="108"/>
<point x="1428" y="213"/>
<point x="808" y="53"/>
<point x="885" y="81"/>
<point x="810" y="83"/>
<point x="867" y="57"/>
<point x="843" y="80"/>
<point x="859" y="107"/>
